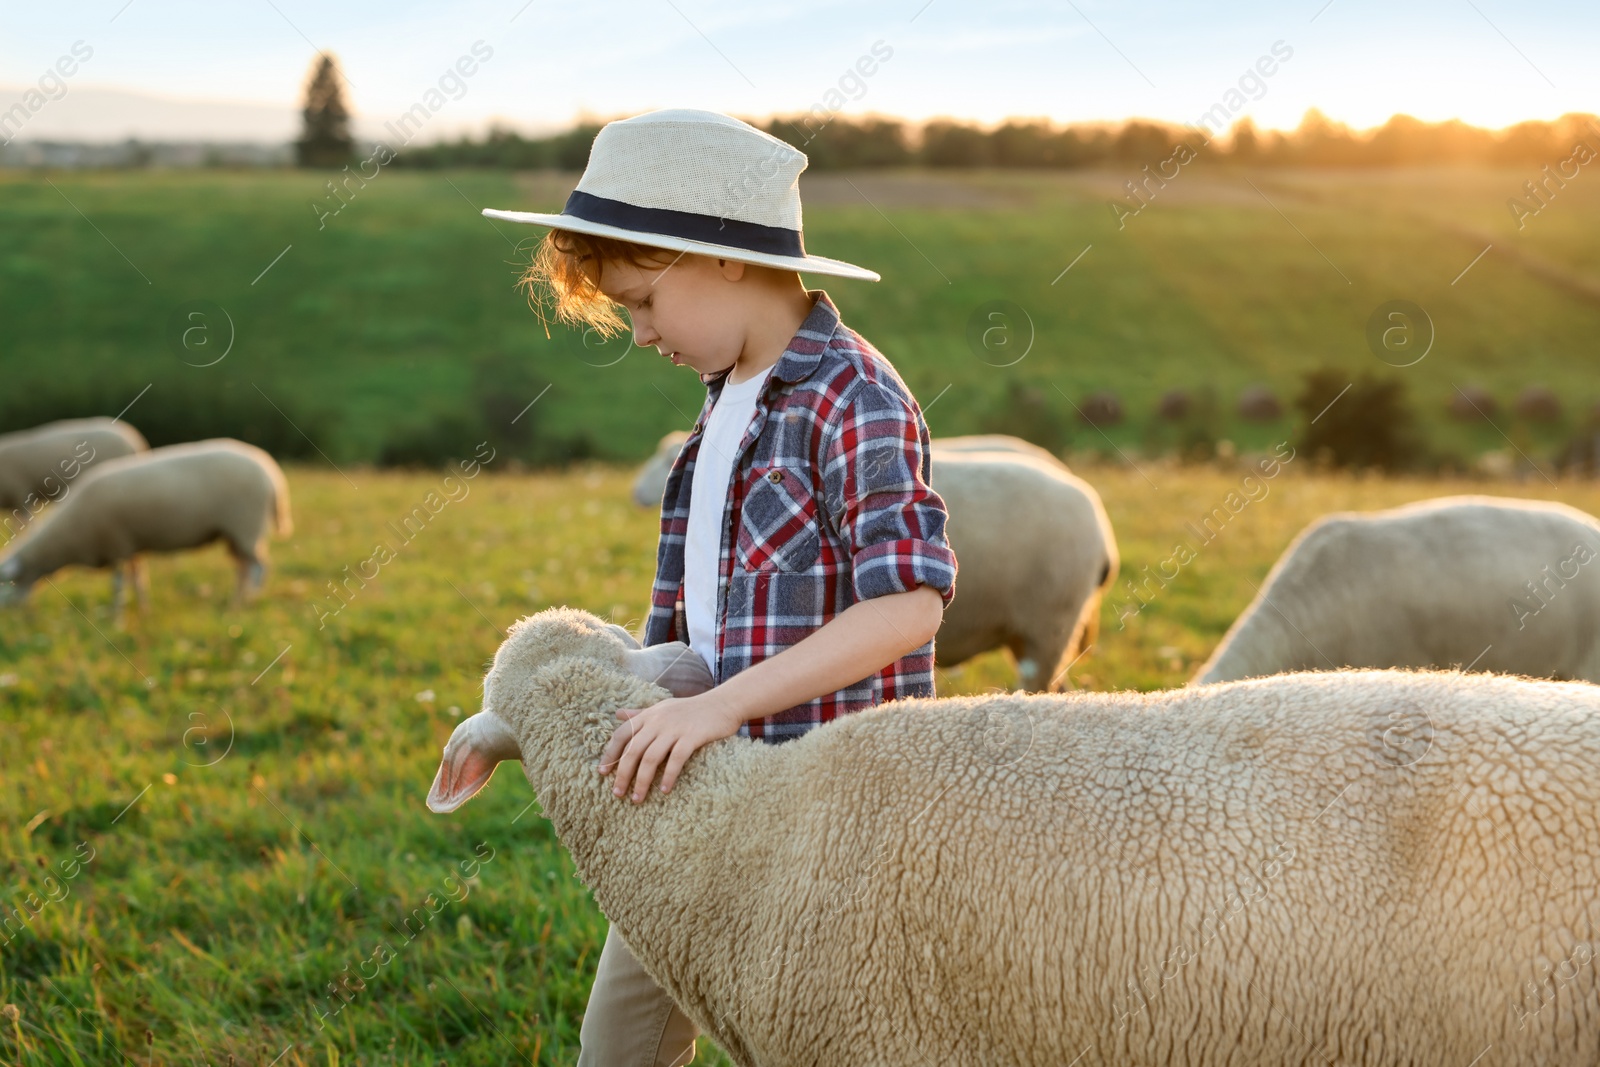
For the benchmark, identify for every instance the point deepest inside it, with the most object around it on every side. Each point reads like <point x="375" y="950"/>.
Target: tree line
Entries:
<point x="837" y="142"/>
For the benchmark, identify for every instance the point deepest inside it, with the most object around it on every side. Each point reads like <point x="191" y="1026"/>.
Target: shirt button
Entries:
<point x="774" y="476"/>
<point x="695" y="428"/>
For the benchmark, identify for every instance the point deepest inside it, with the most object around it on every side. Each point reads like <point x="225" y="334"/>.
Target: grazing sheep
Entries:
<point x="163" y="500"/>
<point x="1360" y="868"/>
<point x="1488" y="583"/>
<point x="40" y="464"/>
<point x="1036" y="553"/>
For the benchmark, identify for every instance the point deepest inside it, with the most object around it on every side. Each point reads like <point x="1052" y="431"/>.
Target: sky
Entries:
<point x="167" y="69"/>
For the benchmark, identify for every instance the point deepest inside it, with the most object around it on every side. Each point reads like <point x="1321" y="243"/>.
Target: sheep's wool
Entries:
<point x="1480" y="582"/>
<point x="1356" y="867"/>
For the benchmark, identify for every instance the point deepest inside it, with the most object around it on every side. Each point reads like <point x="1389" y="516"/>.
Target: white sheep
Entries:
<point x="1359" y="867"/>
<point x="994" y="442"/>
<point x="1035" y="553"/>
<point x="1034" y="548"/>
<point x="40" y="465"/>
<point x="650" y="484"/>
<point x="1480" y="582"/>
<point x="163" y="500"/>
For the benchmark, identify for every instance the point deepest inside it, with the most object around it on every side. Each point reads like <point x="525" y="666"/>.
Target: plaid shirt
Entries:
<point x="829" y="504"/>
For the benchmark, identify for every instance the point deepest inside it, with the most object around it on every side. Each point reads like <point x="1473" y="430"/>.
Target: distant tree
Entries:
<point x="1020" y="143"/>
<point x="325" y="140"/>
<point x="571" y="149"/>
<point x="835" y="142"/>
<point x="1082" y="145"/>
<point x="1320" y="142"/>
<point x="1145" y="142"/>
<point x="1365" y="423"/>
<point x="1529" y="142"/>
<point x="954" y="144"/>
<point x="1244" y="142"/>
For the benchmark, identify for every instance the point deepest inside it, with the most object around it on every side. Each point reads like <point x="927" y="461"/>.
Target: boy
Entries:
<point x="802" y="553"/>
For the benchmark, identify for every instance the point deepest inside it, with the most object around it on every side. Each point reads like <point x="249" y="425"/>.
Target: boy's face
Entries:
<point x="691" y="309"/>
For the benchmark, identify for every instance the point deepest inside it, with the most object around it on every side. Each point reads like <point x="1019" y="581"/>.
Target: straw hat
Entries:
<point x="693" y="181"/>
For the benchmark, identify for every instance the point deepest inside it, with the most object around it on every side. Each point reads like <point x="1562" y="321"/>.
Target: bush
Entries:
<point x="432" y="442"/>
<point x="1101" y="408"/>
<point x="499" y="412"/>
<point x="1580" y="456"/>
<point x="503" y="385"/>
<point x="506" y="148"/>
<point x="454" y="435"/>
<point x="1258" y="403"/>
<point x="1025" y="411"/>
<point x="1174" y="405"/>
<point x="1370" y="425"/>
<point x="1538" y="403"/>
<point x="1187" y="423"/>
<point x="184" y="407"/>
<point x="1471" y="403"/>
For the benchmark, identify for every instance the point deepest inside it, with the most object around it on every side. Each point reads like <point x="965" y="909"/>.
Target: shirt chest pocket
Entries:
<point x="777" y="521"/>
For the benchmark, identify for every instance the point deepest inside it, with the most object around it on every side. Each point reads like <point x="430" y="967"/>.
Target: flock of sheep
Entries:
<point x="1367" y="832"/>
<point x="113" y="499"/>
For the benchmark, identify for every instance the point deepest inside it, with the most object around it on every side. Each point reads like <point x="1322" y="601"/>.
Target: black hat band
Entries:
<point x="688" y="225"/>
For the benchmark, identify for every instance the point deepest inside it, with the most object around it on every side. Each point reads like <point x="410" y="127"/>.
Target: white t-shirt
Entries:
<point x="708" y="497"/>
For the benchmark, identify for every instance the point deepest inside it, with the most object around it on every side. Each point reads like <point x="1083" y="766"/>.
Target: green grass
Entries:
<point x="251" y="785"/>
<point x="371" y="327"/>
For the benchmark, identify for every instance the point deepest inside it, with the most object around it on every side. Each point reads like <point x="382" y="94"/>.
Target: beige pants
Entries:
<point x="630" y="1021"/>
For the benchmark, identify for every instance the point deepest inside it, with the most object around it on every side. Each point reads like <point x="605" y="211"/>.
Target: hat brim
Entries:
<point x="805" y="264"/>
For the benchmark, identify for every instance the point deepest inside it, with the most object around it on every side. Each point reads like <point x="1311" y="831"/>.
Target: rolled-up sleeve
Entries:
<point x="875" y="474"/>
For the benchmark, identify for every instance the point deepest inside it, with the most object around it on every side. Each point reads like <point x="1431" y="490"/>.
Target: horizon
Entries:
<point x="187" y="72"/>
<point x="369" y="129"/>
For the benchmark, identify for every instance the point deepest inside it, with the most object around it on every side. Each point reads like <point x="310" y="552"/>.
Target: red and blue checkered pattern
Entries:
<point x="829" y="504"/>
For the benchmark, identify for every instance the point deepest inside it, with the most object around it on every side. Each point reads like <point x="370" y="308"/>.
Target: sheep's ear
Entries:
<point x="673" y="666"/>
<point x="626" y="638"/>
<point x="474" y="750"/>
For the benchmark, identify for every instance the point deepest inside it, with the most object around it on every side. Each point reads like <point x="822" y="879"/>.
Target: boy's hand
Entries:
<point x="671" y="730"/>
<point x="861" y="639"/>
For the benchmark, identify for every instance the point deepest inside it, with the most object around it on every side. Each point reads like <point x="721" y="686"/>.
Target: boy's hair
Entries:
<point x="559" y="263"/>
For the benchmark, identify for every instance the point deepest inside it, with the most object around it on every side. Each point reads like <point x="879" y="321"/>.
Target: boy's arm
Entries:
<point x="902" y="575"/>
<point x="855" y="644"/>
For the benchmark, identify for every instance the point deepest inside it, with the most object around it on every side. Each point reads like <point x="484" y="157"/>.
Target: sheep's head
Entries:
<point x="560" y="640"/>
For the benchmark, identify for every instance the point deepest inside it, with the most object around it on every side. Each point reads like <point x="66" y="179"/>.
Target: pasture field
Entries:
<point x="380" y="323"/>
<point x="219" y="811"/>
